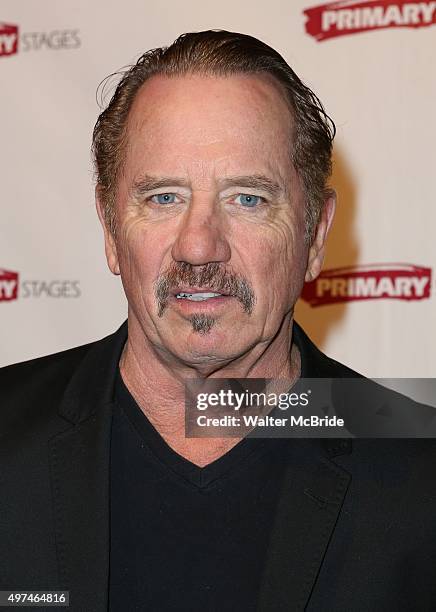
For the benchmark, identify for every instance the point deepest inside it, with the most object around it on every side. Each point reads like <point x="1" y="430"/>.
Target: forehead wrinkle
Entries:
<point x="153" y="110"/>
<point x="273" y="175"/>
<point x="216" y="149"/>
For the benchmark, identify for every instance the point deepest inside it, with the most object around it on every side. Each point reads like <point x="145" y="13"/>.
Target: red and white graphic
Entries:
<point x="371" y="282"/>
<point x="341" y="18"/>
<point x="8" y="39"/>
<point x="8" y="285"/>
<point x="12" y="41"/>
<point x="13" y="286"/>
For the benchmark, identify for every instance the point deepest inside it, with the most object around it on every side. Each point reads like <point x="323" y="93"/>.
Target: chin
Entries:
<point x="202" y="338"/>
<point x="215" y="346"/>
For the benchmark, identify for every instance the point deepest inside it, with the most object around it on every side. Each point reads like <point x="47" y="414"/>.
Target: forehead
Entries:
<point x="198" y="119"/>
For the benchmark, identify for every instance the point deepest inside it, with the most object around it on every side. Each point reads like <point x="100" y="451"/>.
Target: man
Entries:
<point x="212" y="161"/>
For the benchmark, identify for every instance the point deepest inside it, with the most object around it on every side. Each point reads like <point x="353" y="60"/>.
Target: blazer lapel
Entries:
<point x="312" y="495"/>
<point x="309" y="505"/>
<point x="80" y="462"/>
<point x="80" y="472"/>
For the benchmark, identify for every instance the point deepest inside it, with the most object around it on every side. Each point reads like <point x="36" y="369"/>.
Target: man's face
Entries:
<point x="209" y="203"/>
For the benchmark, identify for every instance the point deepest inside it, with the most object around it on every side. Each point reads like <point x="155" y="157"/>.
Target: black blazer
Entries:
<point x="355" y="528"/>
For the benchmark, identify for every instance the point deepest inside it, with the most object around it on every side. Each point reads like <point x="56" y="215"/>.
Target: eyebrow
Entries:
<point x="254" y="181"/>
<point x="147" y="183"/>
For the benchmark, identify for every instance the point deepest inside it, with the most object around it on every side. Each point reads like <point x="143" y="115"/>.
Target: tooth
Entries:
<point x="200" y="297"/>
<point x="197" y="297"/>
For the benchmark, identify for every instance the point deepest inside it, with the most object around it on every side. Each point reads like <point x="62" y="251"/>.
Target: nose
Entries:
<point x="201" y="236"/>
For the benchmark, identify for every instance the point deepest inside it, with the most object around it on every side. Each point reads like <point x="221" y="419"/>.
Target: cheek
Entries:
<point x="278" y="264"/>
<point x="140" y="254"/>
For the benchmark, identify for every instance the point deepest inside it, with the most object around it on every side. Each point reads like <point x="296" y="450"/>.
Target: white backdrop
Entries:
<point x="379" y="87"/>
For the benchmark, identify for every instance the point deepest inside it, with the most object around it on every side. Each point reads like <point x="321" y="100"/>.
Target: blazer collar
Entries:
<point x="92" y="384"/>
<point x="314" y="364"/>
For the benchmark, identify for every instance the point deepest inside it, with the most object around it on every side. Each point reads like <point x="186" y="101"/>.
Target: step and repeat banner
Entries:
<point x="372" y="65"/>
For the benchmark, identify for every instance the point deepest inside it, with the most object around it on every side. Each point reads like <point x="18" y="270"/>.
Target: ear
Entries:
<point x="317" y="248"/>
<point x="109" y="241"/>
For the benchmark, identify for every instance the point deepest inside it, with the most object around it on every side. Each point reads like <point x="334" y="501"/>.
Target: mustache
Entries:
<point x="213" y="275"/>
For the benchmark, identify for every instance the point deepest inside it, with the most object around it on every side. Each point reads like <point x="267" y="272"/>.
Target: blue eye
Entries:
<point x="164" y="198"/>
<point x="248" y="200"/>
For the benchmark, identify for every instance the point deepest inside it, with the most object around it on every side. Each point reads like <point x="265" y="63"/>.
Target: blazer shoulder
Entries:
<point x="37" y="385"/>
<point x="39" y="367"/>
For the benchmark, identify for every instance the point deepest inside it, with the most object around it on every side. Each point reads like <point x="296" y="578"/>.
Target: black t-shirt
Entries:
<point x="185" y="537"/>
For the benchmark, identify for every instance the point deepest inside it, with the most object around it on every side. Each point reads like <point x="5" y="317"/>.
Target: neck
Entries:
<point x="158" y="388"/>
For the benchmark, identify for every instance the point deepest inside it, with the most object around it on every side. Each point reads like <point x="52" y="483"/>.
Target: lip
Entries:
<point x="186" y="289"/>
<point x="212" y="305"/>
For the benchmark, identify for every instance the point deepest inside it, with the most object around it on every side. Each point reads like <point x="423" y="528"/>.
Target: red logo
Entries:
<point x="349" y="17"/>
<point x="372" y="282"/>
<point x="8" y="39"/>
<point x="8" y="285"/>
